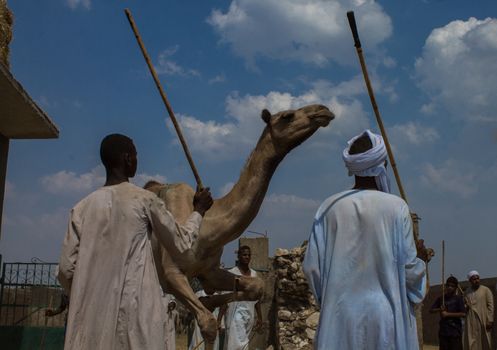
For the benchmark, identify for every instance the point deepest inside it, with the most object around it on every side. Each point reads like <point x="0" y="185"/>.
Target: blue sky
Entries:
<point x="433" y="66"/>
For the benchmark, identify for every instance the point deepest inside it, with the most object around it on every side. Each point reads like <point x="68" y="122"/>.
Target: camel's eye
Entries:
<point x="288" y="116"/>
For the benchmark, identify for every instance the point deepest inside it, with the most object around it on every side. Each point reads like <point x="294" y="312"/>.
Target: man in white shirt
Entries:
<point x="479" y="315"/>
<point x="239" y="316"/>
<point x="107" y="266"/>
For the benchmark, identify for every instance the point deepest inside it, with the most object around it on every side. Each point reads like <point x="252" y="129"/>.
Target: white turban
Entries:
<point x="369" y="163"/>
<point x="473" y="273"/>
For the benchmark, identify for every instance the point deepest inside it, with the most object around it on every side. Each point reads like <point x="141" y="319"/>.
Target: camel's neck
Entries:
<point x="231" y="214"/>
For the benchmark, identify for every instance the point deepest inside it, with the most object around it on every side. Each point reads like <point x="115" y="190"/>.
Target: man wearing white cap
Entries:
<point x="479" y="316"/>
<point x="361" y="261"/>
<point x="172" y="316"/>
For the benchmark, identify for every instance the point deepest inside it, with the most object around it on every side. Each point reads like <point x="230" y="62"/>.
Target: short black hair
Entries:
<point x="452" y="280"/>
<point x="112" y="148"/>
<point x="244" y="247"/>
<point x="361" y="144"/>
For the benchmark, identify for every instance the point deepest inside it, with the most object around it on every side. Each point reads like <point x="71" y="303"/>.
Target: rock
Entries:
<point x="313" y="320"/>
<point x="304" y="313"/>
<point x="281" y="252"/>
<point x="310" y="333"/>
<point x="296" y="339"/>
<point x="296" y="307"/>
<point x="297" y="251"/>
<point x="284" y="315"/>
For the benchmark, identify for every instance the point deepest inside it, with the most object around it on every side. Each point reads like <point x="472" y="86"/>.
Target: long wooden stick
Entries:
<point x="198" y="345"/>
<point x="443" y="274"/>
<point x="357" y="44"/>
<point x="207" y="345"/>
<point x="164" y="97"/>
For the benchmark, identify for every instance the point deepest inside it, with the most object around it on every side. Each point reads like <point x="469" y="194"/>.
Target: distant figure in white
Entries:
<point x="172" y="318"/>
<point x="479" y="315"/>
<point x="361" y="261"/>
<point x="239" y="316"/>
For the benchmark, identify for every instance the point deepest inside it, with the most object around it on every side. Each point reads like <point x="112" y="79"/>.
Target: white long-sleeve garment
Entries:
<point x="239" y="319"/>
<point x="479" y="315"/>
<point x="107" y="268"/>
<point x="362" y="267"/>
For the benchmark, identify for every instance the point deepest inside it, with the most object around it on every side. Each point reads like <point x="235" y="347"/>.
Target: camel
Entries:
<point x="229" y="216"/>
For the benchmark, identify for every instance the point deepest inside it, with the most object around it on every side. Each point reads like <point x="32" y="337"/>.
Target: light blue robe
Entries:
<point x="362" y="267"/>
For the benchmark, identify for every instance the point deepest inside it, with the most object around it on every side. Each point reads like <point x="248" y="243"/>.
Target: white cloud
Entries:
<point x="290" y="200"/>
<point x="46" y="224"/>
<point x="233" y="138"/>
<point x="28" y="233"/>
<point x="428" y="108"/>
<point x="389" y="62"/>
<point x="457" y="70"/>
<point x="74" y="4"/>
<point x="414" y="133"/>
<point x="169" y="67"/>
<point x="310" y="31"/>
<point x="43" y="101"/>
<point x="208" y="137"/>
<point x="68" y="182"/>
<point x="451" y="177"/>
<point x="221" y="78"/>
<point x="53" y="223"/>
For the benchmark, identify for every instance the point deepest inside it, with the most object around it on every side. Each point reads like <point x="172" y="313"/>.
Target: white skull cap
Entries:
<point x="473" y="273"/>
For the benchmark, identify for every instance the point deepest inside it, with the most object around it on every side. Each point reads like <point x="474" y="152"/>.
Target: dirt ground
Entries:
<point x="182" y="343"/>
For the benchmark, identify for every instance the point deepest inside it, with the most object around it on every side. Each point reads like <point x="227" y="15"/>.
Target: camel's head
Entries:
<point x="288" y="129"/>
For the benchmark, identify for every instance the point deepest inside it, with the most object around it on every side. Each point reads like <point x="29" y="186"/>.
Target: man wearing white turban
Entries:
<point x="361" y="261"/>
<point x="479" y="316"/>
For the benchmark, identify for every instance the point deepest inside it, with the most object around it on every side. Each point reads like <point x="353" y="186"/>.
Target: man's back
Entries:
<point x="363" y="225"/>
<point x="107" y="265"/>
<point x="359" y="254"/>
<point x="114" y="284"/>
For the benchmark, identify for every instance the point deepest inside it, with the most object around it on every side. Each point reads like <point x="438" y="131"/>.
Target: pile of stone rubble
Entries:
<point x="297" y="314"/>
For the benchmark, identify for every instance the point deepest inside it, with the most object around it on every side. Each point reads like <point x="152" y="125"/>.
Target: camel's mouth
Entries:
<point x="323" y="117"/>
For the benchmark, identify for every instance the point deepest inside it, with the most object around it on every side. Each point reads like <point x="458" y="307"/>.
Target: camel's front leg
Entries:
<point x="173" y="281"/>
<point x="178" y="285"/>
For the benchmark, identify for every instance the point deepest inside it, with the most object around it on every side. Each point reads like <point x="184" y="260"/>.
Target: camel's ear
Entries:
<point x="266" y="116"/>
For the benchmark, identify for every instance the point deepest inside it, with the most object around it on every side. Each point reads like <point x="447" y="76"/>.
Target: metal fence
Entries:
<point x="27" y="290"/>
